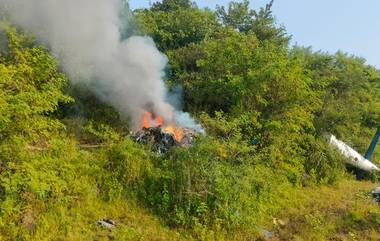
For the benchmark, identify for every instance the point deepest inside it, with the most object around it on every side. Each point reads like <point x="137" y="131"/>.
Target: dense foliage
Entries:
<point x="285" y="98"/>
<point x="66" y="158"/>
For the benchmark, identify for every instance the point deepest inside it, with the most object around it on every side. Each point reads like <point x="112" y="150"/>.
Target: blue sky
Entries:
<point x="329" y="25"/>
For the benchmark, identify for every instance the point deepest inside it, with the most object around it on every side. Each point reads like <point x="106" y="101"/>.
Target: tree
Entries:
<point x="177" y="28"/>
<point x="173" y="5"/>
<point x="128" y="22"/>
<point x="238" y="16"/>
<point x="262" y="23"/>
<point x="347" y="89"/>
<point x="31" y="91"/>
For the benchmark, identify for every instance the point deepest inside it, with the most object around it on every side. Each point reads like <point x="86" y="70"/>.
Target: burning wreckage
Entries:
<point x="162" y="136"/>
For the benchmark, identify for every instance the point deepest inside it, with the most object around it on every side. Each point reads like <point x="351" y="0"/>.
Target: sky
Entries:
<point x="352" y="26"/>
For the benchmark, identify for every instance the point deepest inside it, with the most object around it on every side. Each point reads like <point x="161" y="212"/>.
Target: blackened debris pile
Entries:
<point x="162" y="141"/>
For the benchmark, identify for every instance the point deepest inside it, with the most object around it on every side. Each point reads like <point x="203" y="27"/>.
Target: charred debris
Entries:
<point x="162" y="141"/>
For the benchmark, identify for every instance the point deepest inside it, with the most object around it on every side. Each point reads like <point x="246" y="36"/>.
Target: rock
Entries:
<point x="376" y="194"/>
<point x="279" y="222"/>
<point x="265" y="233"/>
<point x="106" y="223"/>
<point x="28" y="221"/>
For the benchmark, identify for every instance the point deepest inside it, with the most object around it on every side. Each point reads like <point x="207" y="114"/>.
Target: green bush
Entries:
<point x="213" y="184"/>
<point x="264" y="106"/>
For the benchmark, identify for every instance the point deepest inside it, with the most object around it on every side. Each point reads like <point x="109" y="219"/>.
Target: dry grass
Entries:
<point x="79" y="223"/>
<point x="342" y="212"/>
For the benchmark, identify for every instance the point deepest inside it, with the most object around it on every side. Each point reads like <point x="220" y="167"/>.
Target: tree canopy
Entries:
<point x="68" y="160"/>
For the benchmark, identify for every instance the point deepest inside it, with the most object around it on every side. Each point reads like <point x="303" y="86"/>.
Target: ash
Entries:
<point x="162" y="141"/>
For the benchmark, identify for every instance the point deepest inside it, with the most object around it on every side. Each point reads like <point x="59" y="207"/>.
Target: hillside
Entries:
<point x="260" y="167"/>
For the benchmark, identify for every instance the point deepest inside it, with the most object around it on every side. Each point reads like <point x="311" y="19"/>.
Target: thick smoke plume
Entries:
<point x="85" y="36"/>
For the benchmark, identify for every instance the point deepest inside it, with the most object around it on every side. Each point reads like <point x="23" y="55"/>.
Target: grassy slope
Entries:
<point x="344" y="212"/>
<point x="341" y="212"/>
<point x="133" y="223"/>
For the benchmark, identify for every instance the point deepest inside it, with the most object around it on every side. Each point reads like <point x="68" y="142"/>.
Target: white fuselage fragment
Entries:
<point x="353" y="157"/>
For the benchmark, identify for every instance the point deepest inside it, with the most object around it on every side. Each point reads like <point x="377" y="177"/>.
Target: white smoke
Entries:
<point x="85" y="36"/>
<point x="175" y="98"/>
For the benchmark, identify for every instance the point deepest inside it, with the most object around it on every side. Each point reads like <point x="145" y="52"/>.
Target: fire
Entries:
<point x="175" y="131"/>
<point x="150" y="120"/>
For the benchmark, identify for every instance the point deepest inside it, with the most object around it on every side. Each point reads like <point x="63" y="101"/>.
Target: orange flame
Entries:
<point x="176" y="132"/>
<point x="149" y="120"/>
<point x="145" y="120"/>
<point x="159" y="121"/>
